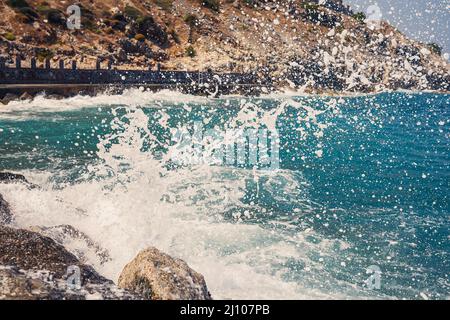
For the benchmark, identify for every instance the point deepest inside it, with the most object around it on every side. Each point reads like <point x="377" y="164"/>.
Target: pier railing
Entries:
<point x="17" y="74"/>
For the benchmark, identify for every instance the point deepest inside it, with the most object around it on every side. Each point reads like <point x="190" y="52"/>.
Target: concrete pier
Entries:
<point x="62" y="80"/>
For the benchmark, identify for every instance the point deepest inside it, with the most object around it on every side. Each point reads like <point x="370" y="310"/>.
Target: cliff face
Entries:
<point x="316" y="46"/>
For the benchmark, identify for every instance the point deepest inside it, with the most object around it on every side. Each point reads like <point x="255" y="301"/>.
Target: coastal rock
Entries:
<point x="26" y="96"/>
<point x="9" y="177"/>
<point x="151" y="30"/>
<point x="134" y="47"/>
<point x="16" y="284"/>
<point x="8" y="98"/>
<point x="157" y="276"/>
<point x="6" y="216"/>
<point x="79" y="243"/>
<point x="31" y="251"/>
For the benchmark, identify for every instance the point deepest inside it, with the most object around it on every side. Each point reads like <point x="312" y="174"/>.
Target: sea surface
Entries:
<point x="349" y="198"/>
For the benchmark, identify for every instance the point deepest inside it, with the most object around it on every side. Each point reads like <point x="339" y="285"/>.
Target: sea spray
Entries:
<point x="308" y="229"/>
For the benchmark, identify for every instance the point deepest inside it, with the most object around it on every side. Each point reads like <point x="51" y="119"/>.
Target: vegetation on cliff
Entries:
<point x="292" y="43"/>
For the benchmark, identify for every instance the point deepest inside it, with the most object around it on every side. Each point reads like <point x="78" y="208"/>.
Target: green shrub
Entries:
<point x="43" y="54"/>
<point x="190" y="52"/>
<point x="119" y="17"/>
<point x="17" y="3"/>
<point x="88" y="19"/>
<point x="29" y="12"/>
<point x="148" y="27"/>
<point x="10" y="36"/>
<point x="191" y="19"/>
<point x="140" y="37"/>
<point x="109" y="30"/>
<point x="106" y="14"/>
<point x="211" y="4"/>
<point x="132" y="12"/>
<point x="250" y="2"/>
<point x="164" y="4"/>
<point x="175" y="36"/>
<point x="360" y="17"/>
<point x="43" y="9"/>
<point x="435" y="48"/>
<point x="339" y="29"/>
<point x="55" y="16"/>
<point x="310" y="6"/>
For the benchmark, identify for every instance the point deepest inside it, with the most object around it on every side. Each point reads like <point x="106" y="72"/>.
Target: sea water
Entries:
<point x="356" y="207"/>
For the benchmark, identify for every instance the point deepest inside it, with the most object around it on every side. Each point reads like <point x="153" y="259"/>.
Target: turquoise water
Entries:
<point x="362" y="181"/>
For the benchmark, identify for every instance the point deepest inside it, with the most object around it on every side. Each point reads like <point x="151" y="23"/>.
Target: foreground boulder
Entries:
<point x="31" y="251"/>
<point x="17" y="284"/>
<point x="6" y="216"/>
<point x="157" y="276"/>
<point x="79" y="243"/>
<point x="9" y="177"/>
<point x="8" y="98"/>
<point x="34" y="267"/>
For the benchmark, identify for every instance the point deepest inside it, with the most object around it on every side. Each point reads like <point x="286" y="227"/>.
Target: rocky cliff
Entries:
<point x="315" y="46"/>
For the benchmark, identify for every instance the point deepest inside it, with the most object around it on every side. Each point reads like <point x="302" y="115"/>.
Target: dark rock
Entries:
<point x="409" y="52"/>
<point x="31" y="251"/>
<point x="119" y="25"/>
<point x="135" y="47"/>
<point x="120" y="55"/>
<point x="335" y="5"/>
<point x="12" y="177"/>
<point x="307" y="70"/>
<point x="151" y="30"/>
<point x="9" y="177"/>
<point x="26" y="96"/>
<point x="28" y="15"/>
<point x="322" y="18"/>
<point x="16" y="284"/>
<point x="54" y="97"/>
<point x="119" y="17"/>
<point x="56" y="17"/>
<point x="438" y="81"/>
<point x="79" y="242"/>
<point x="8" y="98"/>
<point x="157" y="276"/>
<point x="6" y="216"/>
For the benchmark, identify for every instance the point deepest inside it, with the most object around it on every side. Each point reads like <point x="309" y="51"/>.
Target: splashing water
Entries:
<point x="361" y="181"/>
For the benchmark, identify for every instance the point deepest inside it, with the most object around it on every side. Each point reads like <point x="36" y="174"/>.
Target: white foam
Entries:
<point x="130" y="97"/>
<point x="135" y="202"/>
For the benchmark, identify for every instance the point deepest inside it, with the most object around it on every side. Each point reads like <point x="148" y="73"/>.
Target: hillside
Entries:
<point x="315" y="48"/>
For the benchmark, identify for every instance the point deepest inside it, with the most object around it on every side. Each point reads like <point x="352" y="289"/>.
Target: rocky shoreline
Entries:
<point x="34" y="265"/>
<point x="11" y="98"/>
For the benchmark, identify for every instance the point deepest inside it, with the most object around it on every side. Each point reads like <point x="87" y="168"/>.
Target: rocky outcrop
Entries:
<point x="31" y="251"/>
<point x="79" y="242"/>
<point x="150" y="29"/>
<point x="9" y="177"/>
<point x="35" y="264"/>
<point x="17" y="284"/>
<point x="8" y="98"/>
<point x="6" y="216"/>
<point x="157" y="276"/>
<point x="35" y="267"/>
